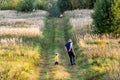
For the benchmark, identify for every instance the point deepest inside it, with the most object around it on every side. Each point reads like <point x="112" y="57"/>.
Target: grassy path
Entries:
<point x="53" y="41"/>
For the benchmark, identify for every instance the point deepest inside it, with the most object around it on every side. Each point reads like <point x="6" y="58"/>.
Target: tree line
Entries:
<point x="106" y="16"/>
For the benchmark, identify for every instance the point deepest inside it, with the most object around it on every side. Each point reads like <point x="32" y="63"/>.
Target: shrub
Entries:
<point x="75" y="4"/>
<point x="54" y="10"/>
<point x="25" y="5"/>
<point x="106" y="16"/>
<point x="8" y="4"/>
<point x="64" y="5"/>
<point x="116" y="14"/>
<point x="40" y="4"/>
<point x="86" y="4"/>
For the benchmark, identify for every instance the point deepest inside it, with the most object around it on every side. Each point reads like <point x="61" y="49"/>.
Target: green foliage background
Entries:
<point x="106" y="16"/>
<point x="25" y="5"/>
<point x="75" y="4"/>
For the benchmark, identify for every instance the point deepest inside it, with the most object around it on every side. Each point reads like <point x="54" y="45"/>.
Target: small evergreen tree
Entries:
<point x="103" y="16"/>
<point x="106" y="16"/>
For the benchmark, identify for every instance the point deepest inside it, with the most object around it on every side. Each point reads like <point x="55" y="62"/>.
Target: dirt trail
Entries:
<point x="54" y="41"/>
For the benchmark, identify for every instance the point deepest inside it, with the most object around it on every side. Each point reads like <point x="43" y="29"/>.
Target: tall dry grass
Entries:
<point x="18" y="60"/>
<point x="11" y="41"/>
<point x="20" y="32"/>
<point x="38" y="14"/>
<point x="99" y="59"/>
<point x="19" y="63"/>
<point x="22" y="23"/>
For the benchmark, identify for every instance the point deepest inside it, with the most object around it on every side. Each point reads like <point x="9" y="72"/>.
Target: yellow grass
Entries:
<point x="20" y="32"/>
<point x="22" y="23"/>
<point x="19" y="63"/>
<point x="59" y="73"/>
<point x="100" y="54"/>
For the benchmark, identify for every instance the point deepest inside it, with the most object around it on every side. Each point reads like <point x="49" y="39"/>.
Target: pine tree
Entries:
<point x="106" y="16"/>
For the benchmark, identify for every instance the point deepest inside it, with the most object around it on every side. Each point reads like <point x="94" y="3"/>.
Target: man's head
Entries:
<point x="70" y="40"/>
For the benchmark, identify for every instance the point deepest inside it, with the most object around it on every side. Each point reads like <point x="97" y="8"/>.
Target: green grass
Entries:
<point x="53" y="38"/>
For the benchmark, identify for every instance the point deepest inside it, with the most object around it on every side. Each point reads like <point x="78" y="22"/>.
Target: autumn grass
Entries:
<point x="20" y="32"/>
<point x="53" y="39"/>
<point x="99" y="57"/>
<point x="19" y="63"/>
<point x="20" y="45"/>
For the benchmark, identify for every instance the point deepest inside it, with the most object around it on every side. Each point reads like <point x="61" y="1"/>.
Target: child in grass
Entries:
<point x="56" y="59"/>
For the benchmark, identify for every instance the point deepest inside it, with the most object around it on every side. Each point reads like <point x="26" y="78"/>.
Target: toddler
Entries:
<point x="56" y="58"/>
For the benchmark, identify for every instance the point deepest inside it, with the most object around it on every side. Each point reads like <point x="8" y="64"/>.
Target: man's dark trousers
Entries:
<point x="72" y="57"/>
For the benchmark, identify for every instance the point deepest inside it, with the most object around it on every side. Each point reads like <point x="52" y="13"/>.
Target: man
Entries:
<point x="69" y="49"/>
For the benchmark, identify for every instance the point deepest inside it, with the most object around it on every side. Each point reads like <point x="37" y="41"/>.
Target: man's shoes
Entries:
<point x="74" y="64"/>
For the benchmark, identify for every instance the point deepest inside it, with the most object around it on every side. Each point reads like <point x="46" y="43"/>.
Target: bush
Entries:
<point x="86" y="4"/>
<point x="54" y="10"/>
<point x="116" y="15"/>
<point x="8" y="4"/>
<point x="75" y="4"/>
<point x="64" y="5"/>
<point x="25" y="5"/>
<point x="106" y="16"/>
<point x="40" y="4"/>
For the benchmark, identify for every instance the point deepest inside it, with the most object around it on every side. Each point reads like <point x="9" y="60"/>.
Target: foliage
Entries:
<point x="54" y="10"/>
<point x="86" y="4"/>
<point x="41" y="4"/>
<point x="99" y="56"/>
<point x="8" y="4"/>
<point x="75" y="4"/>
<point x="106" y="15"/>
<point x="25" y="5"/>
<point x="116" y="15"/>
<point x="64" y="5"/>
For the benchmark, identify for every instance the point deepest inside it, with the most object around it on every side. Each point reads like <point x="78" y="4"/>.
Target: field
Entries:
<point x="99" y="57"/>
<point x="20" y="54"/>
<point x="29" y="41"/>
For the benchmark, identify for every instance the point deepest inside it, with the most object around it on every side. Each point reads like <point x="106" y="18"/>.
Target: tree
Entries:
<point x="25" y="5"/>
<point x="116" y="14"/>
<point x="106" y="16"/>
<point x="86" y="4"/>
<point x="64" y="5"/>
<point x="75" y="4"/>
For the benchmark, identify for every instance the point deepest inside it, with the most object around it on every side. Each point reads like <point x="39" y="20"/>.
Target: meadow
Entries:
<point x="29" y="41"/>
<point x="98" y="55"/>
<point x="20" y="53"/>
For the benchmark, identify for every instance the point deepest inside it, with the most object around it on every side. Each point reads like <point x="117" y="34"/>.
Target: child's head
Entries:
<point x="57" y="54"/>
